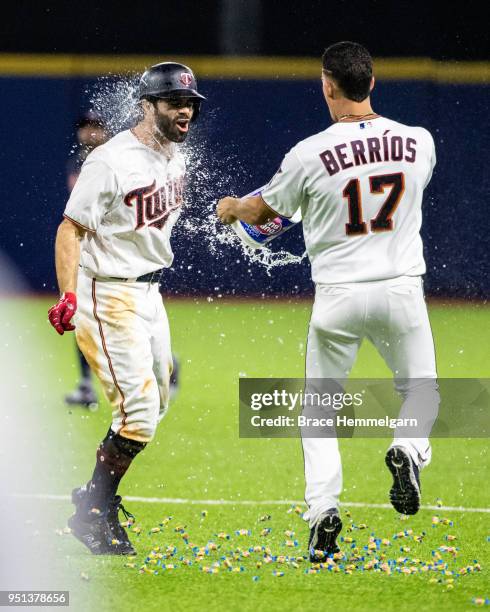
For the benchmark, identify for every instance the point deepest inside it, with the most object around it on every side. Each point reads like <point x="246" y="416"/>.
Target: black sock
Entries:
<point x="114" y="456"/>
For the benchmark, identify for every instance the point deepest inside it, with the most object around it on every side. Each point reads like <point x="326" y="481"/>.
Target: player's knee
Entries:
<point x="419" y="387"/>
<point x="141" y="430"/>
<point x="148" y="429"/>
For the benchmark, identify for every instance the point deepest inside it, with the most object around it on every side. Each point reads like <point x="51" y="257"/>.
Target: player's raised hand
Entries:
<point x="225" y="209"/>
<point x="62" y="312"/>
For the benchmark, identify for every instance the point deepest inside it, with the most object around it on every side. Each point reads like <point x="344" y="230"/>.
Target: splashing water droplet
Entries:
<point x="114" y="98"/>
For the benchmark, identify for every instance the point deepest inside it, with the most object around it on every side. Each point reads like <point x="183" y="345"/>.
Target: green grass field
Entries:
<point x="197" y="455"/>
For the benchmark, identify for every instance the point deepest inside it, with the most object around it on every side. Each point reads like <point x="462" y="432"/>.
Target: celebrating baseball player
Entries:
<point x="111" y="250"/>
<point x="359" y="186"/>
<point x="91" y="133"/>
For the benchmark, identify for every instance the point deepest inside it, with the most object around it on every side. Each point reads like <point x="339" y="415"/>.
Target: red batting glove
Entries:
<point x="62" y="312"/>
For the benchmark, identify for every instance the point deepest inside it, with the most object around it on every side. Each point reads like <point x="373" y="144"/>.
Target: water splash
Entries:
<point x="209" y="177"/>
<point x="115" y="99"/>
<point x="218" y="236"/>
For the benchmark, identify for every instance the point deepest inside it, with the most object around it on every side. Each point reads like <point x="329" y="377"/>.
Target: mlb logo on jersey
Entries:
<point x="186" y="79"/>
<point x="365" y="124"/>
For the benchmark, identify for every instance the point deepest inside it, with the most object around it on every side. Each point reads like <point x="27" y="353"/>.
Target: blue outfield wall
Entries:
<point x="246" y="127"/>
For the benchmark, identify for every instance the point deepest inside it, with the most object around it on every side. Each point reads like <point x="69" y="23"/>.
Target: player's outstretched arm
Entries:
<point x="67" y="257"/>
<point x="252" y="210"/>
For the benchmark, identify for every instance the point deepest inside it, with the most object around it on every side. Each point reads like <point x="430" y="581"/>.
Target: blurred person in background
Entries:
<point x="91" y="133"/>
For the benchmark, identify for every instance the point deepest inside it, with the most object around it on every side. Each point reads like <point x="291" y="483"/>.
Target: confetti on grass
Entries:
<point x="481" y="601"/>
<point x="364" y="553"/>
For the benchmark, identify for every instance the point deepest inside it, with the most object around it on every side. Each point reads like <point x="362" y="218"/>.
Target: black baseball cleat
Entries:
<point x="96" y="535"/>
<point x="405" y="492"/>
<point x="323" y="536"/>
<point x="84" y="396"/>
<point x="102" y="535"/>
<point x="117" y="529"/>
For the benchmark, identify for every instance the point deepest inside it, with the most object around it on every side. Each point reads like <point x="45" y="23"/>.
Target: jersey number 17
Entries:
<point x="383" y="221"/>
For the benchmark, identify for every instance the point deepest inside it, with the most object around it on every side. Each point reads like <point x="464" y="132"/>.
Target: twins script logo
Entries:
<point x="153" y="206"/>
<point x="186" y="79"/>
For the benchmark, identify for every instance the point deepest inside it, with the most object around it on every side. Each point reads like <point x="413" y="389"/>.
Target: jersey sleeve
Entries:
<point x="92" y="195"/>
<point x="432" y="160"/>
<point x="285" y="192"/>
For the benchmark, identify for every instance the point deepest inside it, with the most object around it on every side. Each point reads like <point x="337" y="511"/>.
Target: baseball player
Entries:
<point x="359" y="185"/>
<point x="91" y="133"/>
<point x="111" y="250"/>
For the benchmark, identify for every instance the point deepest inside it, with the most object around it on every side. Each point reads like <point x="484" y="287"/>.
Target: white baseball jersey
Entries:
<point x="128" y="197"/>
<point x="359" y="186"/>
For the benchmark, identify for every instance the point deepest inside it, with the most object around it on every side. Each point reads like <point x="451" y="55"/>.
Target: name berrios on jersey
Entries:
<point x="359" y="186"/>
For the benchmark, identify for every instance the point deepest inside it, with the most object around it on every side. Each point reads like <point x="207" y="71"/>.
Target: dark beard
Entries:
<point x="168" y="129"/>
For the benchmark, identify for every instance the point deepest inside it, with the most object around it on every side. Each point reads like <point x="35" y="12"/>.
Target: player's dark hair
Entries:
<point x="351" y="65"/>
<point x="91" y="118"/>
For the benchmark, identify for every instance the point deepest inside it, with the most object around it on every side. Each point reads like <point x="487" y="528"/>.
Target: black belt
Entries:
<point x="151" y="277"/>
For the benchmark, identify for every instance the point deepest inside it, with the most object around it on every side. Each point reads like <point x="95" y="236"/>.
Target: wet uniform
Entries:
<point x="127" y="198"/>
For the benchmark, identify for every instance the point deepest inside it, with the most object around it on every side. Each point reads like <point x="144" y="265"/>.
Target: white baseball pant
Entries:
<point x="392" y="314"/>
<point x="122" y="329"/>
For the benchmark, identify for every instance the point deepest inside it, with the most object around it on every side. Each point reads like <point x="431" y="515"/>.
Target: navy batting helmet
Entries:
<point x="170" y="80"/>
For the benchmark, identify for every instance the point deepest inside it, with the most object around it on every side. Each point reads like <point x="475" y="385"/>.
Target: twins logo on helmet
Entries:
<point x="186" y="79"/>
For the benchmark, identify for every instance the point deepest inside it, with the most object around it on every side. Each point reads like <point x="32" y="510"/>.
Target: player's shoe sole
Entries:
<point x="405" y="492"/>
<point x="323" y="536"/>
